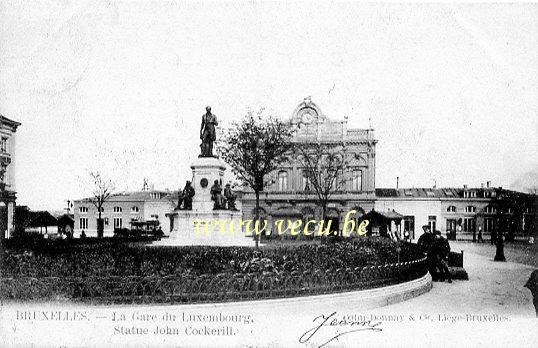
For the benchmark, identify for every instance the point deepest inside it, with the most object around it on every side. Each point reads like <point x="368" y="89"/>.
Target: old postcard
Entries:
<point x="268" y="174"/>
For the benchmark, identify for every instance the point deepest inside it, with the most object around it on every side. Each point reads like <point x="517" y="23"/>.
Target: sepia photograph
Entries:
<point x="268" y="174"/>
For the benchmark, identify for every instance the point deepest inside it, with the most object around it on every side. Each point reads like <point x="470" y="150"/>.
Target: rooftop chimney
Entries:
<point x="397" y="182"/>
<point x="488" y="184"/>
<point x="465" y="187"/>
<point x="482" y="185"/>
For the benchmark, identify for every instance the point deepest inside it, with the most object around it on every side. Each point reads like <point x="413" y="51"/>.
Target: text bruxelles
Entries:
<point x="295" y="227"/>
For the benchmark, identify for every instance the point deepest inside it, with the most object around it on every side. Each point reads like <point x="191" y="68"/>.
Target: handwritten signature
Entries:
<point x="333" y="321"/>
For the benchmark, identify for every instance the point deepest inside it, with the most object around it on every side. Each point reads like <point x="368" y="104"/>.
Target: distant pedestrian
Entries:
<point x="532" y="285"/>
<point x="480" y="239"/>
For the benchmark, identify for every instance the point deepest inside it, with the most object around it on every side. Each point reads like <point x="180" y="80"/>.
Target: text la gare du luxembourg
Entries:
<point x="195" y="324"/>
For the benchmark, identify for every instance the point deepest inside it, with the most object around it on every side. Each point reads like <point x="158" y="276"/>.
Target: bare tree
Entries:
<point x="324" y="169"/>
<point x="102" y="190"/>
<point x="254" y="147"/>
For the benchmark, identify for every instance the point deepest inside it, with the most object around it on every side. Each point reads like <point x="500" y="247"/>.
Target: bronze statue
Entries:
<point x="185" y="197"/>
<point x="207" y="133"/>
<point x="216" y="196"/>
<point x="230" y="197"/>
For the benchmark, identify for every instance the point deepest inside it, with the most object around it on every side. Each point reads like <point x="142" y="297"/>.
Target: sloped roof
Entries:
<point x="41" y="219"/>
<point x="4" y="119"/>
<point x="448" y="192"/>
<point x="140" y="196"/>
<point x="382" y="215"/>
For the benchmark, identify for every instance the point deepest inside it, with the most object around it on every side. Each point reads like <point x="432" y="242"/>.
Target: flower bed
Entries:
<point x="122" y="273"/>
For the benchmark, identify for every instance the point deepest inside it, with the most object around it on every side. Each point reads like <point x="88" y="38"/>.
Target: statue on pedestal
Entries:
<point x="216" y="196"/>
<point x="185" y="197"/>
<point x="208" y="133"/>
<point x="230" y="197"/>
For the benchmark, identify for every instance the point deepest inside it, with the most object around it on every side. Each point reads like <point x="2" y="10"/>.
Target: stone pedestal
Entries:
<point x="205" y="170"/>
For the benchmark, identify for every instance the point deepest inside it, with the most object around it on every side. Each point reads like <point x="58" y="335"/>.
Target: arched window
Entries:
<point x="451" y="209"/>
<point x="470" y="209"/>
<point x="282" y="180"/>
<point x="135" y="209"/>
<point x="117" y="210"/>
<point x="306" y="184"/>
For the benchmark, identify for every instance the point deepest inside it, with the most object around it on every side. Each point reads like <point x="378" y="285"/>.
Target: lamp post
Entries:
<point x="499" y="240"/>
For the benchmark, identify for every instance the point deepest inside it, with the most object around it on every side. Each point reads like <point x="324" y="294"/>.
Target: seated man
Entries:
<point x="185" y="197"/>
<point x="216" y="196"/>
<point x="230" y="197"/>
<point x="425" y="243"/>
<point x="440" y="250"/>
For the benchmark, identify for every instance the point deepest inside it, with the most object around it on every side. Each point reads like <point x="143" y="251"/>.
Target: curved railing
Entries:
<point x="207" y="288"/>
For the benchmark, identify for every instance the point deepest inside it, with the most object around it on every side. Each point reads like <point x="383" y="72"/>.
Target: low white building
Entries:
<point x="122" y="209"/>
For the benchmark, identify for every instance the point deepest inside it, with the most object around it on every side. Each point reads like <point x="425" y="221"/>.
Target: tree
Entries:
<point x="324" y="169"/>
<point x="102" y="190"/>
<point x="254" y="147"/>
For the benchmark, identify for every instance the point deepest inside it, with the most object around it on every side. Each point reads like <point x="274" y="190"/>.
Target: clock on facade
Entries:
<point x="307" y="117"/>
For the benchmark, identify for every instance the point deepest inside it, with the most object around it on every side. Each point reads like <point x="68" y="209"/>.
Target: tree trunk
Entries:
<point x="100" y="226"/>
<point x="324" y="218"/>
<point x="257" y="217"/>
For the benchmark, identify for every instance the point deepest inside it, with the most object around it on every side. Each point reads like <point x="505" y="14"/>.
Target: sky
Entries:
<point x="120" y="87"/>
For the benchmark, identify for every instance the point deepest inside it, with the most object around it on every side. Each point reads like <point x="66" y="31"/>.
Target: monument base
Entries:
<point x="189" y="228"/>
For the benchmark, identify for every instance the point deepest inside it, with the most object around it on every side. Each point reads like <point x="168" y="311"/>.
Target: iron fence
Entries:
<point x="207" y="288"/>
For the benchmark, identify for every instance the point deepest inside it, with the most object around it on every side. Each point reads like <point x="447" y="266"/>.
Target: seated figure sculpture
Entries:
<point x="216" y="196"/>
<point x="230" y="197"/>
<point x="185" y="197"/>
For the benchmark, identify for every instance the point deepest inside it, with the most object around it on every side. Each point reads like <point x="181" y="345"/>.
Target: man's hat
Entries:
<point x="426" y="226"/>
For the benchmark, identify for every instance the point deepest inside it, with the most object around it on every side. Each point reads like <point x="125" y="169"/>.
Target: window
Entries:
<point x="491" y="210"/>
<point x="432" y="222"/>
<point x="83" y="209"/>
<point x="306" y="185"/>
<point x="135" y="209"/>
<point x="117" y="222"/>
<point x="451" y="209"/>
<point x="83" y="223"/>
<point x="282" y="181"/>
<point x="489" y="224"/>
<point x="3" y="144"/>
<point x="117" y="210"/>
<point x="106" y="221"/>
<point x="469" y="225"/>
<point x="409" y="225"/>
<point x="469" y="194"/>
<point x="155" y="195"/>
<point x="470" y="209"/>
<point x="356" y="180"/>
